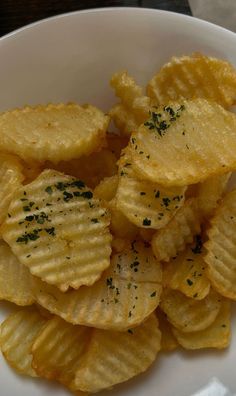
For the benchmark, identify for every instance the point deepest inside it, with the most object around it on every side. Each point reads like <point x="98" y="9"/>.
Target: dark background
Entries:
<point x="17" y="13"/>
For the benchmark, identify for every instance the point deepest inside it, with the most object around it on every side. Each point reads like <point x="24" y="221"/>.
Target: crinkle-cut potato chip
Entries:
<point x="127" y="293"/>
<point x="186" y="272"/>
<point x="185" y="143"/>
<point x="59" y="231"/>
<point x="168" y="340"/>
<point x="114" y="357"/>
<point x="180" y="231"/>
<point x="17" y="334"/>
<point x="144" y="203"/>
<point x="221" y="247"/>
<point x="11" y="178"/>
<point x="116" y="143"/>
<point x="120" y="226"/>
<point x="106" y="189"/>
<point x="89" y="168"/>
<point x="188" y="314"/>
<point x="217" y="335"/>
<point x="194" y="76"/>
<point x="134" y="106"/>
<point x="55" y="132"/>
<point x="210" y="192"/>
<point x="58" y="349"/>
<point x="15" y="278"/>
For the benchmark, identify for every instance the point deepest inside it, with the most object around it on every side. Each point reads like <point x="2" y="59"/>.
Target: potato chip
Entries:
<point x="115" y="143"/>
<point x="146" y="234"/>
<point x="168" y="341"/>
<point x="210" y="192"/>
<point x="89" y="168"/>
<point x="188" y="314"/>
<point x="186" y="272"/>
<point x="221" y="248"/>
<point x="173" y="238"/>
<point x="106" y="189"/>
<point x="121" y="227"/>
<point x="11" y="178"/>
<point x="58" y="349"/>
<point x="133" y="109"/>
<point x="59" y="231"/>
<point x="151" y="205"/>
<point x="194" y="76"/>
<point x="114" y="357"/>
<point x="185" y="143"/>
<point x="15" y="278"/>
<point x="55" y="132"/>
<point x="17" y="335"/>
<point x="127" y="293"/>
<point x="217" y="335"/>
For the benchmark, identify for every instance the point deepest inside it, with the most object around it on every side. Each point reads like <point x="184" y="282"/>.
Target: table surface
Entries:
<point x="17" y="13"/>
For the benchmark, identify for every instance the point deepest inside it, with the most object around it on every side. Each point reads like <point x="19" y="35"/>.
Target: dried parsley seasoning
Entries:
<point x="94" y="220"/>
<point x="153" y="294"/>
<point x="48" y="190"/>
<point x="31" y="236"/>
<point x="189" y="282"/>
<point x="147" y="222"/>
<point x="159" y="125"/>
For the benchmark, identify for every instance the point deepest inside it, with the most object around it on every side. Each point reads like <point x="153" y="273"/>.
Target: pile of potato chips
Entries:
<point x="119" y="245"/>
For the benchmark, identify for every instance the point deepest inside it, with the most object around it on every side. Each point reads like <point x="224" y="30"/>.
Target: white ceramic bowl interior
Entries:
<point x="71" y="58"/>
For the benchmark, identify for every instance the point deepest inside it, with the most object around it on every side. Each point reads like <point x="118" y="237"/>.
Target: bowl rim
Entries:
<point x="171" y="14"/>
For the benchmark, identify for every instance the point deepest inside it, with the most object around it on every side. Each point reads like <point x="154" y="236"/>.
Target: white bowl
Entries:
<point x="71" y="57"/>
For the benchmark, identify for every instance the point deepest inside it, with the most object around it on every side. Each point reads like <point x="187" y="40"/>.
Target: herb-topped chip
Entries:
<point x="56" y="217"/>
<point x="172" y="158"/>
<point x="125" y="295"/>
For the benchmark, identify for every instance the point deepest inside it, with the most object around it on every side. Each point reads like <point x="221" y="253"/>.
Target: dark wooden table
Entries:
<point x="17" y="13"/>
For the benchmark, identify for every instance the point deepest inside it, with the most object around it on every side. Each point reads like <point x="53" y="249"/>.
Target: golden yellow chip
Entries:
<point x="11" y="178"/>
<point x="116" y="143"/>
<point x="58" y="349"/>
<point x="183" y="143"/>
<point x="127" y="293"/>
<point x="17" y="335"/>
<point x="221" y="248"/>
<point x="106" y="189"/>
<point x="144" y="203"/>
<point x="186" y="272"/>
<point x="15" y="278"/>
<point x="59" y="231"/>
<point x="52" y="132"/>
<point x="133" y="109"/>
<point x="194" y="76"/>
<point x="217" y="335"/>
<point x="89" y="168"/>
<point x="120" y="226"/>
<point x="173" y="238"/>
<point x="168" y="340"/>
<point x="188" y="314"/>
<point x="114" y="357"/>
<point x="210" y="192"/>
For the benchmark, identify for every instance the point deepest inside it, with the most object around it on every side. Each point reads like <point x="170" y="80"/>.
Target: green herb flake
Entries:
<point x="189" y="282"/>
<point x="48" y="190"/>
<point x="147" y="222"/>
<point x="153" y="294"/>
